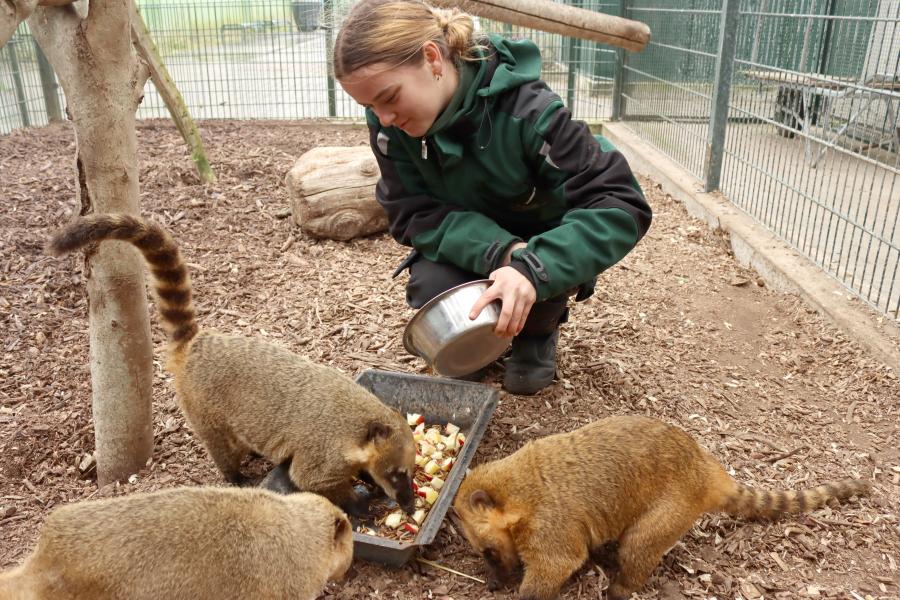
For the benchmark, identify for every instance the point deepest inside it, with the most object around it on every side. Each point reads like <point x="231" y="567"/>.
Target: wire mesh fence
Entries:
<point x="268" y="59"/>
<point x="789" y="107"/>
<point x="799" y="129"/>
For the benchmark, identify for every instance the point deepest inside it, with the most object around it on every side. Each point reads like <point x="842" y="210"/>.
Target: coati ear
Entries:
<point x="377" y="430"/>
<point x="341" y="527"/>
<point x="481" y="500"/>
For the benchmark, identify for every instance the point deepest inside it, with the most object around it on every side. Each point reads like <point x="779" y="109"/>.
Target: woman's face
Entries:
<point x="408" y="97"/>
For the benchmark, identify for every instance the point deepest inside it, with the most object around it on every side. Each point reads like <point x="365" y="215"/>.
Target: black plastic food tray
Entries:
<point x="468" y="405"/>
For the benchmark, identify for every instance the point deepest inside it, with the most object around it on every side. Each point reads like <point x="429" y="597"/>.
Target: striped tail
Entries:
<point x="754" y="504"/>
<point x="171" y="282"/>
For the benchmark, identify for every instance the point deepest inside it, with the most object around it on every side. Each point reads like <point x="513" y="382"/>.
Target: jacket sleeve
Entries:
<point x="441" y="232"/>
<point x="607" y="214"/>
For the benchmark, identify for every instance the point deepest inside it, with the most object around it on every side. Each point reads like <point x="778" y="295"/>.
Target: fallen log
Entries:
<point x="333" y="193"/>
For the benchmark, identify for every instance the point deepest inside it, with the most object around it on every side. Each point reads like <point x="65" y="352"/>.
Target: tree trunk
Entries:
<point x="13" y="12"/>
<point x="333" y="193"/>
<point x="103" y="80"/>
<point x="572" y="21"/>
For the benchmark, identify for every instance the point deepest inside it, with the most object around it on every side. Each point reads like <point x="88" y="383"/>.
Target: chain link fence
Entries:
<point x="789" y="107"/>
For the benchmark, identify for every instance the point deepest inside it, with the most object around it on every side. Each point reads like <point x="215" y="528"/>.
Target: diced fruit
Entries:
<point x="437" y="455"/>
<point x="429" y="493"/>
<point x="433" y="436"/>
<point x="450" y="440"/>
<point x="411" y="528"/>
<point x="432" y="467"/>
<point x="419" y="516"/>
<point x="421" y="460"/>
<point x="414" y="419"/>
<point x="450" y="428"/>
<point x="394" y="519"/>
<point x="437" y="483"/>
<point x="426" y="448"/>
<point x="461" y="439"/>
<point x="447" y="464"/>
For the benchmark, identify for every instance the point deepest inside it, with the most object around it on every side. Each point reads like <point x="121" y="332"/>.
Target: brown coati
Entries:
<point x="622" y="490"/>
<point x="186" y="543"/>
<point x="245" y="395"/>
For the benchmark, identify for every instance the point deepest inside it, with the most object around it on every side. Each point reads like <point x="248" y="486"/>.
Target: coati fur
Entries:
<point x="623" y="489"/>
<point x="186" y="544"/>
<point x="246" y="395"/>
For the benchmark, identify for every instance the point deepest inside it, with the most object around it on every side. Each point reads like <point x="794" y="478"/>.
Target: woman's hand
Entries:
<point x="516" y="295"/>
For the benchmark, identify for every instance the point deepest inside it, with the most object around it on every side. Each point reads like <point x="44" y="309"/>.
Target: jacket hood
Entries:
<point x="506" y="65"/>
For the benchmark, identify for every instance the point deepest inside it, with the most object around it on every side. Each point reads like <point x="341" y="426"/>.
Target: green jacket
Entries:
<point x="505" y="162"/>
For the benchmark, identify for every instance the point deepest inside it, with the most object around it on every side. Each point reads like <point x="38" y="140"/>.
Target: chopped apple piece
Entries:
<point x="429" y="493"/>
<point x="394" y="519"/>
<point x="413" y="529"/>
<point x="437" y="483"/>
<point x="431" y="467"/>
<point x="433" y="436"/>
<point x="447" y="464"/>
<point x="450" y="440"/>
<point x="419" y="516"/>
<point x="461" y="439"/>
<point x="451" y="428"/>
<point x="437" y="455"/>
<point x="414" y="419"/>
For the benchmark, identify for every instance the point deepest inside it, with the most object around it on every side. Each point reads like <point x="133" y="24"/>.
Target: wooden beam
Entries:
<point x="559" y="18"/>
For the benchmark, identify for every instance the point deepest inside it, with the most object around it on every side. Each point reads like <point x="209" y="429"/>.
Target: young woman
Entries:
<point x="485" y="173"/>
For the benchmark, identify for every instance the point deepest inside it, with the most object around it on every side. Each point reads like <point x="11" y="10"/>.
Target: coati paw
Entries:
<point x="279" y="480"/>
<point x="238" y="480"/>
<point x="357" y="505"/>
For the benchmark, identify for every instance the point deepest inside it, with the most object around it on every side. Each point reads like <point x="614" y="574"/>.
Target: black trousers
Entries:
<point x="427" y="279"/>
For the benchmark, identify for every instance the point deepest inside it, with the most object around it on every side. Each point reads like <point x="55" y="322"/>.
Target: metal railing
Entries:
<point x="789" y="107"/>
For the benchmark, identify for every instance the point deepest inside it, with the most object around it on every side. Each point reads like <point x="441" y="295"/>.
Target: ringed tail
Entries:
<point x="170" y="277"/>
<point x="753" y="503"/>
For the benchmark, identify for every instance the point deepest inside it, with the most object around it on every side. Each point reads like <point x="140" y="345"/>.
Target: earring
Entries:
<point x="437" y="76"/>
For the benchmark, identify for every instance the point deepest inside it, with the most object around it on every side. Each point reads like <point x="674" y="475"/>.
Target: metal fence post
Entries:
<point x="718" y="121"/>
<point x="328" y="17"/>
<point x="48" y="85"/>
<point x="21" y="100"/>
<point x="618" y="98"/>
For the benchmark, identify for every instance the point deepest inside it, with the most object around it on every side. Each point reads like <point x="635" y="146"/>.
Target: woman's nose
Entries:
<point x="386" y="117"/>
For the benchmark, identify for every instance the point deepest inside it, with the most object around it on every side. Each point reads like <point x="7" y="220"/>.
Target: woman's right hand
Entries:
<point x="516" y="295"/>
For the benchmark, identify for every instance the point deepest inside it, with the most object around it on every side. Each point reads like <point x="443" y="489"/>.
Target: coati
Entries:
<point x="242" y="394"/>
<point x="186" y="544"/>
<point x="624" y="488"/>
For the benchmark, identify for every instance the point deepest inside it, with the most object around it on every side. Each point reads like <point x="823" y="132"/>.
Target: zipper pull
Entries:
<point x="424" y="149"/>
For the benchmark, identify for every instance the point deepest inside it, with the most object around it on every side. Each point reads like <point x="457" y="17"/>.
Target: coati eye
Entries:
<point x="490" y="555"/>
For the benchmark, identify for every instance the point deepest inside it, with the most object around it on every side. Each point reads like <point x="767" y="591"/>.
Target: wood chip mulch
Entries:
<point x="678" y="331"/>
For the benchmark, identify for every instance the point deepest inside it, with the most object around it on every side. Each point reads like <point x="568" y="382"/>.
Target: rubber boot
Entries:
<point x="531" y="365"/>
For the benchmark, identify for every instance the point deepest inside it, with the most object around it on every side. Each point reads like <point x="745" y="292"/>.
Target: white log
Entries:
<point x="333" y="193"/>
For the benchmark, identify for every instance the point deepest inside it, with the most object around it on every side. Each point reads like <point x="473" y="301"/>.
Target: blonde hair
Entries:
<point x="394" y="31"/>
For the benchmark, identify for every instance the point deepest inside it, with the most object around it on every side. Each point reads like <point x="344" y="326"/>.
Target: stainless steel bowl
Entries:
<point x="454" y="345"/>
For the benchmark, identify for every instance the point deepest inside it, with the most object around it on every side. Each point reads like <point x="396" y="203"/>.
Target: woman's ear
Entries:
<point x="433" y="58"/>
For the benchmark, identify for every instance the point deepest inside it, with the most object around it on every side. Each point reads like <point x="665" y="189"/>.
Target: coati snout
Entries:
<point x="623" y="488"/>
<point x="186" y="544"/>
<point x="382" y="467"/>
<point x="244" y="394"/>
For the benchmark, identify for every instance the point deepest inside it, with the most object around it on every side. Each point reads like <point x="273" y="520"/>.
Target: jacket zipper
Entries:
<point x="424" y="149"/>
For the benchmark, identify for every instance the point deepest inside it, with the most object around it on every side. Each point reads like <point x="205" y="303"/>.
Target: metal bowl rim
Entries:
<point x="407" y="343"/>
